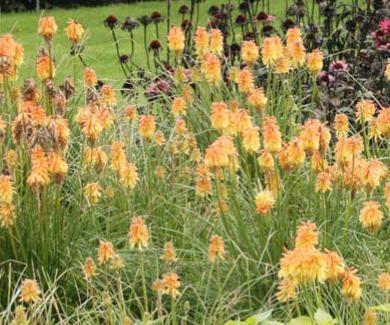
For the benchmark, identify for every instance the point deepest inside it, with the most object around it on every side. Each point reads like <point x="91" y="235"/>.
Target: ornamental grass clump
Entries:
<point x="223" y="179"/>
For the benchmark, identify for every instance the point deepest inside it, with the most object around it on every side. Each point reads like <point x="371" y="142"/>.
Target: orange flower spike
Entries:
<point x="90" y="79"/>
<point x="176" y="40"/>
<point x="383" y="122"/>
<point x="147" y="126"/>
<point x="365" y="110"/>
<point x="251" y="139"/>
<point x="271" y="135"/>
<point x="179" y="106"/>
<point x="220" y="116"/>
<point x="287" y="290"/>
<point x="310" y="137"/>
<point x="245" y="82"/>
<point x="323" y="182"/>
<point x="297" y="54"/>
<point x="211" y="68"/>
<point x="138" y="233"/>
<point x="264" y="202"/>
<point x="216" y="41"/>
<point x="293" y="35"/>
<point x="318" y="163"/>
<point x="335" y="265"/>
<point x="30" y="291"/>
<point x="74" y="31"/>
<point x="249" y="52"/>
<point x="169" y="254"/>
<point x="89" y="269"/>
<point x="180" y="126"/>
<point x="271" y="50"/>
<point x="105" y="252"/>
<point x="203" y="181"/>
<point x="57" y="167"/>
<point x="295" y="153"/>
<point x="92" y="192"/>
<point x="266" y="161"/>
<point x="374" y="171"/>
<point x="307" y="235"/>
<point x="201" y="41"/>
<point x="159" y="138"/>
<point x="371" y="217"/>
<point x="6" y="189"/>
<point x="384" y="282"/>
<point x="128" y="175"/>
<point x="118" y="155"/>
<point x="7" y="46"/>
<point x="11" y="159"/>
<point x="387" y="70"/>
<point x="216" y="248"/>
<point x="92" y="127"/>
<point x="351" y="289"/>
<point x="108" y="95"/>
<point x="341" y="125"/>
<point x="354" y="146"/>
<point x="171" y="283"/>
<point x="387" y="194"/>
<point x="283" y="62"/>
<point x="257" y="99"/>
<point x="315" y="62"/>
<point x="240" y="120"/>
<point x="45" y="67"/>
<point x="303" y="266"/>
<point x="47" y="27"/>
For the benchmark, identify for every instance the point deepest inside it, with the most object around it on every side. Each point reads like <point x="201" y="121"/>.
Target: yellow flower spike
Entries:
<point x="138" y="233"/>
<point x="249" y="52"/>
<point x="351" y="289"/>
<point x="216" y="248"/>
<point x="371" y="217"/>
<point x="315" y="62"/>
<point x="176" y="40"/>
<point x="264" y="202"/>
<point x="105" y="252"/>
<point x="47" y="27"/>
<point x="29" y="291"/>
<point x="74" y="31"/>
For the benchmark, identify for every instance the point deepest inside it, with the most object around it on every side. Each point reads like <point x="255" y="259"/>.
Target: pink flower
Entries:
<point x="384" y="25"/>
<point x="337" y="66"/>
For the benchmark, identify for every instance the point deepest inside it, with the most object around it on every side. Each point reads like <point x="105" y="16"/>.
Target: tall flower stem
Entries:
<point x="132" y="44"/>
<point x="173" y="310"/>
<point x="146" y="47"/>
<point x="117" y="51"/>
<point x="219" y="288"/>
<point x="142" y="265"/>
<point x="169" y="4"/>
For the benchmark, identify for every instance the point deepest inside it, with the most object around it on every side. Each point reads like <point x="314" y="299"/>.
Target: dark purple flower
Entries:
<point x="155" y="45"/>
<point x="213" y="10"/>
<point x="111" y="22"/>
<point x="264" y="17"/>
<point x="183" y="9"/>
<point x="156" y="17"/>
<point x="129" y="24"/>
<point x="186" y="24"/>
<point x="241" y="20"/>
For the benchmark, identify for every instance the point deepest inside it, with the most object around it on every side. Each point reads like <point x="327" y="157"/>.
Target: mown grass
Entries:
<point x="99" y="51"/>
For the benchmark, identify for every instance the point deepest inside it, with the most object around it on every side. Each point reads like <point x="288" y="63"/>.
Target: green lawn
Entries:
<point x="99" y="51"/>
